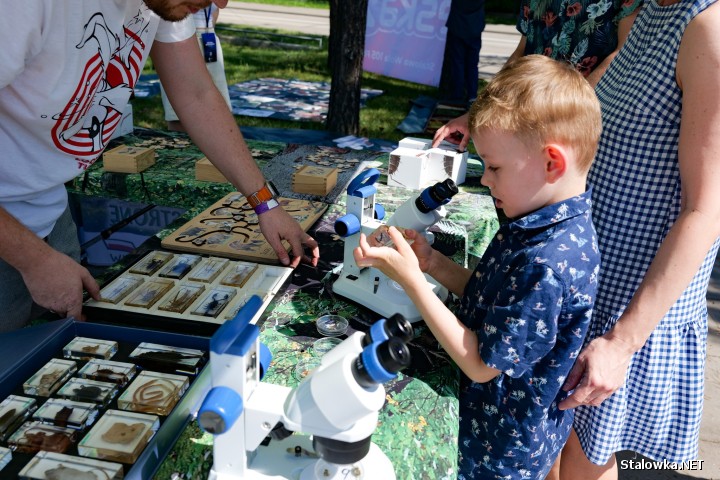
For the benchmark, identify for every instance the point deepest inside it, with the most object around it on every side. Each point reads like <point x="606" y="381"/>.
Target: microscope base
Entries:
<point x="383" y="296"/>
<point x="374" y="466"/>
<point x="277" y="461"/>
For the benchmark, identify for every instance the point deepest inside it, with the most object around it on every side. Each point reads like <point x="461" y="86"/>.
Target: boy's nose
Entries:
<point x="484" y="180"/>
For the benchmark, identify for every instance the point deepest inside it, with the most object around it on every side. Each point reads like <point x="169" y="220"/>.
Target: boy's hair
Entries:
<point x="541" y="100"/>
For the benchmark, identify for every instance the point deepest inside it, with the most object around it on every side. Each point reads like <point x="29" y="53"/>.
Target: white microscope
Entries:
<point x="369" y="286"/>
<point x="335" y="407"/>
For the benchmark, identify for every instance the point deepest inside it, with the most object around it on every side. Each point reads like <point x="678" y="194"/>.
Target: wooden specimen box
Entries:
<point x="128" y="159"/>
<point x="314" y="180"/>
<point x="205" y="170"/>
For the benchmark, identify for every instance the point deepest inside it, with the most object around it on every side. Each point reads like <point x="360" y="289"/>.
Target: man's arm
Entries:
<point x="54" y="280"/>
<point x="624" y="27"/>
<point x="212" y="127"/>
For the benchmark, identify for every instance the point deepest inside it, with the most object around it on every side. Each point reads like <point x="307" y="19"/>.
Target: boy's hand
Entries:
<point x="399" y="263"/>
<point x="422" y="249"/>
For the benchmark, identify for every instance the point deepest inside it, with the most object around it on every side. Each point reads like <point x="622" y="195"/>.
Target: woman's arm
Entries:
<point x="601" y="367"/>
<point x="624" y="27"/>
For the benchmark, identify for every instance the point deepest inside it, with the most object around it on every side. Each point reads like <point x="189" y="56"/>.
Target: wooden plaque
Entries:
<point x="230" y="229"/>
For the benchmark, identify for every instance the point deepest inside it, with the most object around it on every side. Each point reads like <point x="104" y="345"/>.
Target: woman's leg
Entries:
<point x="554" y="473"/>
<point x="574" y="464"/>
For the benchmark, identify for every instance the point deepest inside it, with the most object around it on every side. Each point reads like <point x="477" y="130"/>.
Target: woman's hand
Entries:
<point x="600" y="369"/>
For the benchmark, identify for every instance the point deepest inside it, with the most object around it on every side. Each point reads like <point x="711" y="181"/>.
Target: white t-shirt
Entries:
<point x="67" y="70"/>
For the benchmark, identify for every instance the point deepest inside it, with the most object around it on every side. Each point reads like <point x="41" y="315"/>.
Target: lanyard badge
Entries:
<point x="208" y="38"/>
<point x="209" y="43"/>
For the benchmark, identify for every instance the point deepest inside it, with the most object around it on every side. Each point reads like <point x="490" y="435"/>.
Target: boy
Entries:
<point x="525" y="309"/>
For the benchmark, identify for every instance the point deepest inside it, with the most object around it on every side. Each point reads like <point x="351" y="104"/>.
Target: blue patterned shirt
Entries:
<point x="529" y="300"/>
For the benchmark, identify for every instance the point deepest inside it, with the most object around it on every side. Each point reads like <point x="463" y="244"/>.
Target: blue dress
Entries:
<point x="529" y="301"/>
<point x="636" y="199"/>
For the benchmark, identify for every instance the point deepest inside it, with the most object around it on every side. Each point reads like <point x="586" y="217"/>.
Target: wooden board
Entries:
<point x="229" y="228"/>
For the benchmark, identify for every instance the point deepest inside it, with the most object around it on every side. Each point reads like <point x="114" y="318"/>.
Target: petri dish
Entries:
<point x="332" y="325"/>
<point x="304" y="367"/>
<point x="323" y="345"/>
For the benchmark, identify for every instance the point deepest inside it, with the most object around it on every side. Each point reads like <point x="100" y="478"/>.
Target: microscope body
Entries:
<point x="333" y="412"/>
<point x="369" y="286"/>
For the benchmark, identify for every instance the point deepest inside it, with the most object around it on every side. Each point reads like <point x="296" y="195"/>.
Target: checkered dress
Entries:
<point x="635" y="202"/>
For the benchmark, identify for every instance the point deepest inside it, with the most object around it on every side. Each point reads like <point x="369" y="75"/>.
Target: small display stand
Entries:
<point x="314" y="180"/>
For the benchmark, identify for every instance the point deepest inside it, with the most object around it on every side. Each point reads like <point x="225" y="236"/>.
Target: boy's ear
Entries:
<point x="556" y="162"/>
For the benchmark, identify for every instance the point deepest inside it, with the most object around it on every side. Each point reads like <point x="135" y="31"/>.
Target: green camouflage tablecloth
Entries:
<point x="418" y="423"/>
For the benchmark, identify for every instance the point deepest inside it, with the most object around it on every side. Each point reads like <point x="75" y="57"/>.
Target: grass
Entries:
<point x="243" y="62"/>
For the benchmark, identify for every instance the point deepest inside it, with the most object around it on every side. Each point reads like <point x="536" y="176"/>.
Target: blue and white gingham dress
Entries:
<point x="635" y="202"/>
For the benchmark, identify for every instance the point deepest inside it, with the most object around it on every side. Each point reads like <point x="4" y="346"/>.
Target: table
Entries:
<point x="418" y="423"/>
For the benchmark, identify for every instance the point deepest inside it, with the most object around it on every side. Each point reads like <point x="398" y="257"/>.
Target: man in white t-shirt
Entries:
<point x="66" y="75"/>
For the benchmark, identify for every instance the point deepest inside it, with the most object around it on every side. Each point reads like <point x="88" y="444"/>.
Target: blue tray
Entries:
<point x="24" y="351"/>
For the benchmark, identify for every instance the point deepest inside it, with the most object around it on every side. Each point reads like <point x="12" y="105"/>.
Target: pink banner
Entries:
<point x="405" y="39"/>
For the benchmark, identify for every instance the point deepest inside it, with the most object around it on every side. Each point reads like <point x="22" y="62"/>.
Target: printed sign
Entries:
<point x="405" y="39"/>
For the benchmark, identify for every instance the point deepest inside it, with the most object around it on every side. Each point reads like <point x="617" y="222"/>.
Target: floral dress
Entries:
<point x="529" y="301"/>
<point x="582" y="32"/>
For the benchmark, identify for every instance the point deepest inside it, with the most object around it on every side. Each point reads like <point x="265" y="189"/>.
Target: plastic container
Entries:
<point x="332" y="325"/>
<point x="323" y="345"/>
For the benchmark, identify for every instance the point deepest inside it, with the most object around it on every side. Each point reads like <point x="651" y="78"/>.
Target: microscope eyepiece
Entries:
<point x="436" y="195"/>
<point x="394" y="355"/>
<point x="380" y="362"/>
<point x="399" y="327"/>
<point x="396" y="326"/>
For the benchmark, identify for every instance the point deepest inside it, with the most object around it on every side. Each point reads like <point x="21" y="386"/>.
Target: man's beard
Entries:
<point x="171" y="13"/>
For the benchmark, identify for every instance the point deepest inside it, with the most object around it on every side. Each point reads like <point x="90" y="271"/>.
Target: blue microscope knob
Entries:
<point x="364" y="179"/>
<point x="220" y="409"/>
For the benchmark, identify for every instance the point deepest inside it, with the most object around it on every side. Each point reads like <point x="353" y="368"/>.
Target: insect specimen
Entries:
<point x="183" y="297"/>
<point x="214" y="302"/>
<point x="150" y="293"/>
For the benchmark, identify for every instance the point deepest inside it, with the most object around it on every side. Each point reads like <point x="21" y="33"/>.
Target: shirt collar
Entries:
<point x="553" y="214"/>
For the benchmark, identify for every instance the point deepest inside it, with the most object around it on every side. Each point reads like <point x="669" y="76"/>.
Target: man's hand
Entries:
<point x="455" y="131"/>
<point x="599" y="371"/>
<point x="56" y="282"/>
<point x="278" y="225"/>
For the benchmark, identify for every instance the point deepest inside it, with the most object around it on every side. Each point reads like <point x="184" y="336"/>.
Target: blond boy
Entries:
<point x="525" y="309"/>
